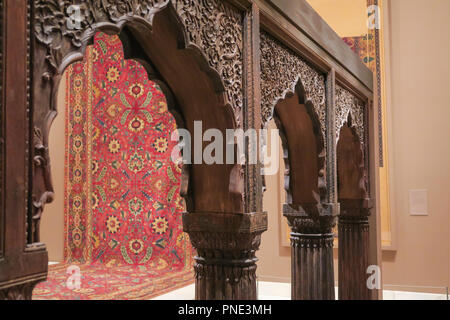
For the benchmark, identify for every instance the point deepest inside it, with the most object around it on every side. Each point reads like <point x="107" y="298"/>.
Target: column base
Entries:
<point x="312" y="251"/>
<point x="226" y="244"/>
<point x="354" y="250"/>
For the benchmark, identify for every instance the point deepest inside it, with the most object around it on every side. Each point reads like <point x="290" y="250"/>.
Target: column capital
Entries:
<point x="311" y="209"/>
<point x="311" y="218"/>
<point x="224" y="222"/>
<point x="236" y="236"/>
<point x="355" y="207"/>
<point x="312" y="240"/>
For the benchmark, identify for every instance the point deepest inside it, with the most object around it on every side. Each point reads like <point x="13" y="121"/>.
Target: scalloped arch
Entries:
<point x="216" y="44"/>
<point x="320" y="143"/>
<point x="218" y="60"/>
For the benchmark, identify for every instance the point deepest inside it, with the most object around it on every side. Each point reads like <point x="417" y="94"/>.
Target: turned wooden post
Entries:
<point x="226" y="244"/>
<point x="311" y="252"/>
<point x="354" y="249"/>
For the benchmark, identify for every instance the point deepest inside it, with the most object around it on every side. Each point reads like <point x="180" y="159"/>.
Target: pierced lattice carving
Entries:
<point x="217" y="29"/>
<point x="281" y="70"/>
<point x="347" y="104"/>
<point x="212" y="26"/>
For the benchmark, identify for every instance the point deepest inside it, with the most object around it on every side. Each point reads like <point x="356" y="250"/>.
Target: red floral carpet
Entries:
<point x="99" y="282"/>
<point x="122" y="199"/>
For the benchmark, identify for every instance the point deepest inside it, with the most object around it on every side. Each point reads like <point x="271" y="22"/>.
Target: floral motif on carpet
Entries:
<point x="100" y="282"/>
<point x="122" y="199"/>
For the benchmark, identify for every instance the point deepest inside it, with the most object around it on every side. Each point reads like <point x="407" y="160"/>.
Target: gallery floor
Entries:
<point x="282" y="291"/>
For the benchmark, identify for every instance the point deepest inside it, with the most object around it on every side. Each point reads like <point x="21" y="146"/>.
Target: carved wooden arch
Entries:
<point x="350" y="114"/>
<point x="284" y="73"/>
<point x="55" y="47"/>
<point x="288" y="157"/>
<point x="350" y="158"/>
<point x="355" y="206"/>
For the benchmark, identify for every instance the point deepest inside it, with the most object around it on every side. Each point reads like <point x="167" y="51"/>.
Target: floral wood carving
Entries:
<point x="212" y="26"/>
<point x="217" y="29"/>
<point x="281" y="69"/>
<point x="57" y="20"/>
<point x="41" y="163"/>
<point x="347" y="104"/>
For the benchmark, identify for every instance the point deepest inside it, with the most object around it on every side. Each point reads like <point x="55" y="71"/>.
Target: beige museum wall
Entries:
<point x="274" y="259"/>
<point x="418" y="104"/>
<point x="52" y="224"/>
<point x="346" y="17"/>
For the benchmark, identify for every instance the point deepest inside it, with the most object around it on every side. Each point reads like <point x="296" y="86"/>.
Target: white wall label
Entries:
<point x="418" y="202"/>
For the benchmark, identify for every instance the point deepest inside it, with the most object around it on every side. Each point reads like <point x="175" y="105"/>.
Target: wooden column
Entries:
<point x="311" y="253"/>
<point x="354" y="249"/>
<point x="226" y="244"/>
<point x="23" y="260"/>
